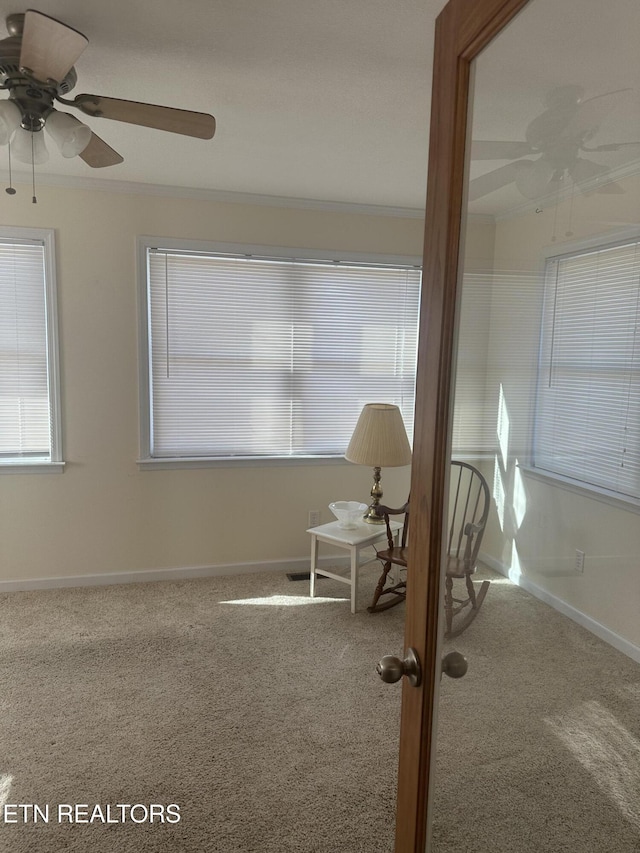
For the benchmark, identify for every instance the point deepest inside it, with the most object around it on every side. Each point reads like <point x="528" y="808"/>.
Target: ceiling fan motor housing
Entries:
<point x="37" y="69"/>
<point x="34" y="98"/>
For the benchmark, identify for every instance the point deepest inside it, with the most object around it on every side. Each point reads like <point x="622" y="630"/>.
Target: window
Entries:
<point x="29" y="407"/>
<point x="587" y="424"/>
<point x="250" y="356"/>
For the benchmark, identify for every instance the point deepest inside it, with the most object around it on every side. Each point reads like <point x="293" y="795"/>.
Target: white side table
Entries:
<point x="353" y="541"/>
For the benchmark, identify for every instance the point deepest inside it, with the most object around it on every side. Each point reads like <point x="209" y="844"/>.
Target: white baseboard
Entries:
<point x="293" y="564"/>
<point x="618" y="642"/>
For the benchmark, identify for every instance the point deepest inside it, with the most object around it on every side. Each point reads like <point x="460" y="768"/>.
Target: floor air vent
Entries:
<point x="301" y="576"/>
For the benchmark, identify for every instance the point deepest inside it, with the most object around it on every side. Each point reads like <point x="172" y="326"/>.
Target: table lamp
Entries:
<point x="380" y="440"/>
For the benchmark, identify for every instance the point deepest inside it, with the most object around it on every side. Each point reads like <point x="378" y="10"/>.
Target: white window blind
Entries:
<point x="588" y="408"/>
<point x="267" y="356"/>
<point x="26" y="405"/>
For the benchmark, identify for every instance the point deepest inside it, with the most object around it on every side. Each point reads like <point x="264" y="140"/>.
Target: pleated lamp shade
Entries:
<point x="380" y="438"/>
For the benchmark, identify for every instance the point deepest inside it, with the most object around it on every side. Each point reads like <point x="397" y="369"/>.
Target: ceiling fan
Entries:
<point x="558" y="136"/>
<point x="36" y="68"/>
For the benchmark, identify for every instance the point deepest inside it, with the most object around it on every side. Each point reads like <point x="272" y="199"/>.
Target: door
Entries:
<point x="551" y="186"/>
<point x="463" y="29"/>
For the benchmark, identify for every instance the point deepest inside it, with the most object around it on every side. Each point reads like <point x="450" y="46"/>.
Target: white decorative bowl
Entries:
<point x="348" y="513"/>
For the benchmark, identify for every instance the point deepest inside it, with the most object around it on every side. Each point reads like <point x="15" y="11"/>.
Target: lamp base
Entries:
<point x="371" y="516"/>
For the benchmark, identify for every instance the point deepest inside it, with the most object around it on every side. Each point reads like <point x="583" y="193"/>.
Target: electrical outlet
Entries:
<point x="579" y="561"/>
<point x="314" y="517"/>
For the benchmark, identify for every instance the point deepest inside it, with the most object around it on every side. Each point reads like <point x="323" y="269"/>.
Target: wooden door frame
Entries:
<point x="463" y="29"/>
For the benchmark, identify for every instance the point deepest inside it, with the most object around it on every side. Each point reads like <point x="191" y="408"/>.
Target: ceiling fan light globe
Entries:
<point x="10" y="118"/>
<point x="534" y="180"/>
<point x="29" y="147"/>
<point x="70" y="135"/>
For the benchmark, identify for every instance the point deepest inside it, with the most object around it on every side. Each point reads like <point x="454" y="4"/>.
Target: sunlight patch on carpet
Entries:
<point x="5" y="787"/>
<point x="500" y="581"/>
<point x="285" y="601"/>
<point x="607" y="750"/>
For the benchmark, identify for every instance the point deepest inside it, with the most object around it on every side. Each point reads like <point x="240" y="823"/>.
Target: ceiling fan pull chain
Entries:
<point x="569" y="232"/>
<point x="555" y="214"/>
<point x="10" y="190"/>
<point x="34" y="200"/>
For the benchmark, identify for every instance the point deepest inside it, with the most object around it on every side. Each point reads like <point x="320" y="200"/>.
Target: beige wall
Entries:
<point x="103" y="514"/>
<point x="540" y="524"/>
<point x="473" y="334"/>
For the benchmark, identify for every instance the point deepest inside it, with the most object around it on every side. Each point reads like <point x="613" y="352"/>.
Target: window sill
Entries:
<point x="169" y="463"/>
<point x="31" y="467"/>
<point x="596" y="493"/>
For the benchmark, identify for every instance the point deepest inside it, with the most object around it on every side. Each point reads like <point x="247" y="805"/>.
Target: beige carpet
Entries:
<point x="260" y="714"/>
<point x="539" y="744"/>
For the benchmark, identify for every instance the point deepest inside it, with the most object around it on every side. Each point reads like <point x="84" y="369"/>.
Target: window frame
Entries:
<point x="606" y="495"/>
<point x="55" y="463"/>
<point x="145" y="242"/>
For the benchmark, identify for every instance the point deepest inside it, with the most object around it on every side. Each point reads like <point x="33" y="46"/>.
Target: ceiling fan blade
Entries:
<point x="613" y="146"/>
<point x="489" y="149"/>
<point x="98" y="154"/>
<point x="494" y="180"/>
<point x="200" y="125"/>
<point x="612" y="188"/>
<point x="49" y="48"/>
<point x="586" y="170"/>
<point x="591" y="113"/>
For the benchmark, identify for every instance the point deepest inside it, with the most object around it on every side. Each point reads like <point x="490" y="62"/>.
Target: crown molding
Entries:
<point x="481" y="218"/>
<point x="221" y="196"/>
<point x="626" y="170"/>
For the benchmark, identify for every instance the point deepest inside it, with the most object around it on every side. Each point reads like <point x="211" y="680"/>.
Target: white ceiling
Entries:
<point x="552" y="44"/>
<point x="328" y="100"/>
<point x="325" y="100"/>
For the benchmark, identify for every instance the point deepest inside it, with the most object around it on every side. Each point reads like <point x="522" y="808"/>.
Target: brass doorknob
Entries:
<point x="454" y="665"/>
